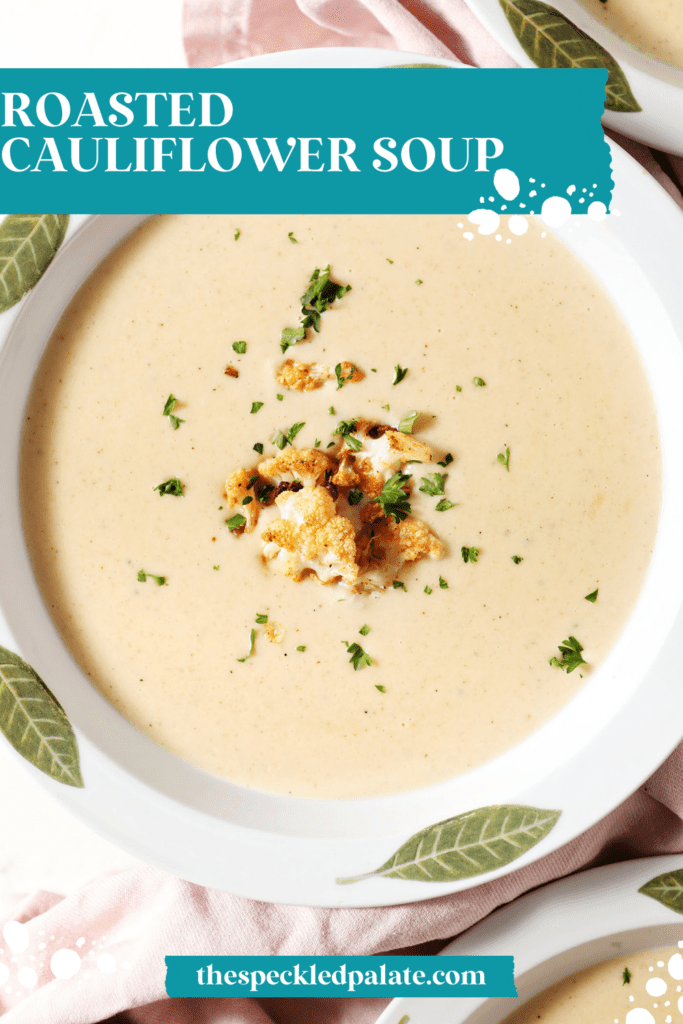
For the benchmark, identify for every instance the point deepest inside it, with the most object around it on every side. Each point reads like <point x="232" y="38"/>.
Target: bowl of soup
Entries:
<point x="333" y="532"/>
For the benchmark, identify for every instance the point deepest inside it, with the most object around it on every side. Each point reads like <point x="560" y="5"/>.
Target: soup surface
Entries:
<point x="653" y="26"/>
<point x="521" y="372"/>
<point x="640" y="988"/>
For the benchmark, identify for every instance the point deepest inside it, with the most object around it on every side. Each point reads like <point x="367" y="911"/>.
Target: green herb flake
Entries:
<point x="433" y="483"/>
<point x="517" y="559"/>
<point x="237" y="234"/>
<point x="359" y="658"/>
<point x="255" y="406"/>
<point x="447" y="460"/>
<point x="343" y="429"/>
<point x="252" y="481"/>
<point x="341" y="379"/>
<point x="408" y="422"/>
<point x="428" y="590"/>
<point x="290" y="336"/>
<point x="318" y="442"/>
<point x="592" y="597"/>
<point x="389" y="261"/>
<point x="331" y="411"/>
<point x="469" y="554"/>
<point x="382" y="689"/>
<point x="626" y="975"/>
<point x="264" y="493"/>
<point x="280" y="398"/>
<point x="293" y="240"/>
<point x="393" y="500"/>
<point x="458" y="388"/>
<point x="236" y="522"/>
<point x="399" y="374"/>
<point x="571" y="655"/>
<point x="281" y="439"/>
<point x="240" y="347"/>
<point x="355" y="496"/>
<point x="172" y="486"/>
<point x="144" y="576"/>
<point x="419" y="281"/>
<point x="364" y="630"/>
<point x="443" y="584"/>
<point x="386" y="407"/>
<point x="322" y="291"/>
<point x="479" y="383"/>
<point x="170" y="405"/>
<point x="261" y="618"/>
<point x="252" y="641"/>
<point x="216" y="568"/>
<point x="399" y="585"/>
<point x="302" y="647"/>
<point x="258" y="447"/>
<point x="444" y="505"/>
<point x="248" y="500"/>
<point x="504" y="459"/>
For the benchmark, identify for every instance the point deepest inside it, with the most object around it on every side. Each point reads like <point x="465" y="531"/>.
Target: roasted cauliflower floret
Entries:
<point x="349" y="373"/>
<point x="385" y="451"/>
<point x="310" y="538"/>
<point x="235" y="491"/>
<point x="303" y="376"/>
<point x="346" y="475"/>
<point x="309" y="465"/>
<point x="384" y="547"/>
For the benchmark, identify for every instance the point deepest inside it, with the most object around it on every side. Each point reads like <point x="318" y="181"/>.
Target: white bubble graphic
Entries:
<point x="4" y="973"/>
<point x="655" y="987"/>
<point x="80" y="942"/>
<point x="488" y="221"/>
<point x="468" y="235"/>
<point x="518" y="225"/>
<point x="506" y="183"/>
<point x="106" y="963"/>
<point x="555" y="211"/>
<point x="571" y="190"/>
<point x="16" y="936"/>
<point x="27" y="977"/>
<point x="676" y="966"/>
<point x="65" y="963"/>
<point x="597" y="210"/>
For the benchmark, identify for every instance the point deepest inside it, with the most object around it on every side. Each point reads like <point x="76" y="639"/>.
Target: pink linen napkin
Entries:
<point x="219" y="31"/>
<point x="121" y="926"/>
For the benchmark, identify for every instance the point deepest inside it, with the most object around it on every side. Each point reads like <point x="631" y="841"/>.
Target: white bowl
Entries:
<point x="583" y="762"/>
<point x="554" y="932"/>
<point x="657" y="87"/>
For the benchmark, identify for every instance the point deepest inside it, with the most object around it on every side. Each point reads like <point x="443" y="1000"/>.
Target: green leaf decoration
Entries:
<point x="470" y="844"/>
<point x="28" y="243"/>
<point x="552" y="41"/>
<point x="35" y="722"/>
<point x="666" y="889"/>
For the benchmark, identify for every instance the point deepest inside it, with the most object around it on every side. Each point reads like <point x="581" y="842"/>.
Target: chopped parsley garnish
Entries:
<point x="293" y="240"/>
<point x="364" y="630"/>
<point x="469" y="554"/>
<point x="248" y="500"/>
<point x="359" y="658"/>
<point x="571" y="655"/>
<point x="331" y="410"/>
<point x="399" y="585"/>
<point x="317" y="298"/>
<point x="386" y="407"/>
<point x="626" y="975"/>
<point x="252" y="640"/>
<point x="318" y="442"/>
<point x="399" y="374"/>
<point x="290" y="336"/>
<point x="237" y="234"/>
<point x="517" y="559"/>
<point x="443" y="584"/>
<point x="447" y="460"/>
<point x="281" y="440"/>
<point x="407" y="423"/>
<point x="216" y="568"/>
<point x="444" y="505"/>
<point x="393" y="500"/>
<point x="264" y="493"/>
<point x="240" y="347"/>
<point x="592" y="597"/>
<point x="236" y="521"/>
<point x="258" y="447"/>
<point x="261" y="618"/>
<point x="252" y="481"/>
<point x="504" y="459"/>
<point x="344" y="428"/>
<point x="458" y="388"/>
<point x="428" y="590"/>
<point x="255" y="406"/>
<point x="389" y="261"/>
<point x="355" y="496"/>
<point x="302" y="647"/>
<point x="144" y="576"/>
<point x="170" y="405"/>
<point x="341" y="379"/>
<point x="479" y="383"/>
<point x="172" y="486"/>
<point x="280" y="398"/>
<point x="432" y="484"/>
<point x="382" y="689"/>
<point x="418" y="281"/>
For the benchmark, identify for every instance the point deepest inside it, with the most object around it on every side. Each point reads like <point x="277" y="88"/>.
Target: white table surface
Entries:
<point x="41" y="845"/>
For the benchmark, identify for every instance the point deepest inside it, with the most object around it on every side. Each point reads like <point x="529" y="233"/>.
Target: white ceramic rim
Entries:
<point x="658" y="87"/>
<point x="151" y="808"/>
<point x="562" y="928"/>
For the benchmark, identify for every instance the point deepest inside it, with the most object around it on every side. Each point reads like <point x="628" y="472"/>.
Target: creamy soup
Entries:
<point x="543" y="488"/>
<point x="653" y="26"/>
<point x="640" y="988"/>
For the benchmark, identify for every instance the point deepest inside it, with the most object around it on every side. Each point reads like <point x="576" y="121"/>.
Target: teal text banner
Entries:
<point x="302" y="141"/>
<point x="335" y="976"/>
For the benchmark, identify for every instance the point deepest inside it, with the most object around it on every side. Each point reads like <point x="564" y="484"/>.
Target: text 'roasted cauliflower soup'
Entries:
<point x="339" y="506"/>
